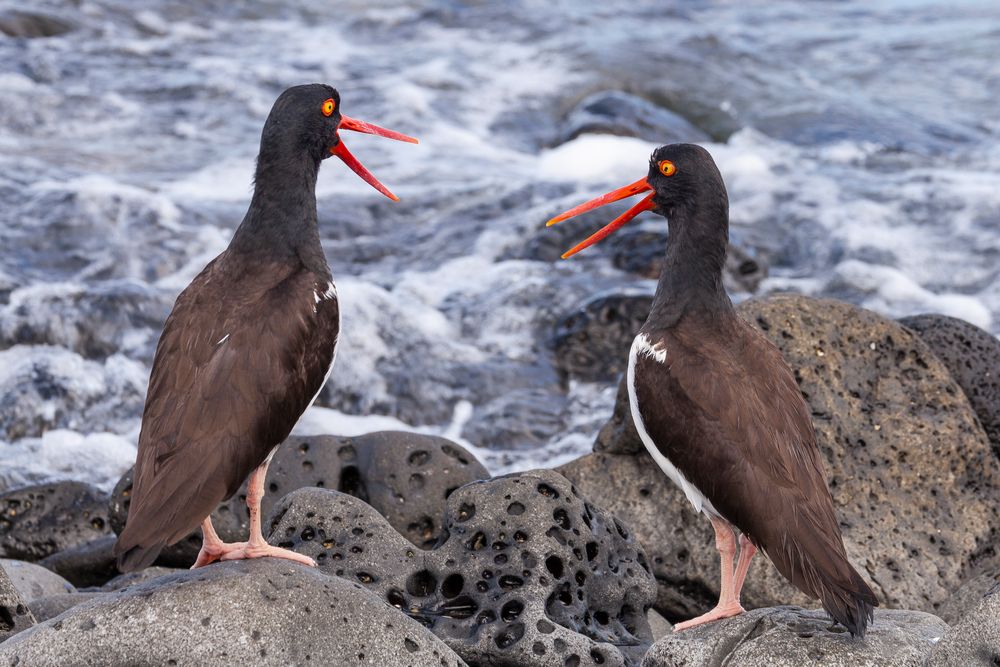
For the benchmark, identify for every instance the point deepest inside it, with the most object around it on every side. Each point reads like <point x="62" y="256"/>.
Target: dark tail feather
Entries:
<point x="137" y="557"/>
<point x="852" y="606"/>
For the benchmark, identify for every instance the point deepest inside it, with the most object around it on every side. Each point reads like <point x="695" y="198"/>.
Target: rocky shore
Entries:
<point x="424" y="559"/>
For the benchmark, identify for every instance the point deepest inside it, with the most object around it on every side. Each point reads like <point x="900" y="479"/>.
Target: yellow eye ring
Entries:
<point x="328" y="107"/>
<point x="667" y="168"/>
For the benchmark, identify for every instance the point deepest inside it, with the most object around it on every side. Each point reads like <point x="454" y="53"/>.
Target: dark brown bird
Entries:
<point x="247" y="347"/>
<point x="718" y="408"/>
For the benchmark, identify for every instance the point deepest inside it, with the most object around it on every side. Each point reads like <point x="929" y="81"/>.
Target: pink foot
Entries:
<point x="246" y="550"/>
<point x="720" y="612"/>
<point x="212" y="552"/>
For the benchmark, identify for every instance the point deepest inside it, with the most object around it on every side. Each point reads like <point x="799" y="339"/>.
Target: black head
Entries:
<point x="681" y="176"/>
<point x="306" y="121"/>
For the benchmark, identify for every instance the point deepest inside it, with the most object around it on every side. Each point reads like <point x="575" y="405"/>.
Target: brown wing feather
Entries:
<point x="231" y="375"/>
<point x="725" y="409"/>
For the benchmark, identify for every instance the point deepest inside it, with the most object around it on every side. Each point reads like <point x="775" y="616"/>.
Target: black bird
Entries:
<point x="718" y="408"/>
<point x="247" y="347"/>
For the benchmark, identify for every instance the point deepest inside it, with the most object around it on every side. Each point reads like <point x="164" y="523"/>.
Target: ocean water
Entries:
<point x="859" y="142"/>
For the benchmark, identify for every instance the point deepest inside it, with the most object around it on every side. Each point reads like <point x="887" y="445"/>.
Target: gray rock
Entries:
<point x="913" y="479"/>
<point x="592" y="342"/>
<point x="88" y="564"/>
<point x="38" y="521"/>
<point x="405" y="476"/>
<point x="140" y="577"/>
<point x="619" y="113"/>
<point x="15" y="616"/>
<point x="18" y="23"/>
<point x="968" y="597"/>
<point x="527" y="574"/>
<point x="791" y="636"/>
<point x="34" y="581"/>
<point x="51" y="606"/>
<point x="975" y="638"/>
<point x="973" y="357"/>
<point x="262" y="612"/>
<point x="658" y="626"/>
<point x="618" y="435"/>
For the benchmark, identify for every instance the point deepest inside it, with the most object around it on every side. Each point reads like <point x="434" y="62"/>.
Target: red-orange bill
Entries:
<point x="348" y="123"/>
<point x="621" y="193"/>
<point x="340" y="150"/>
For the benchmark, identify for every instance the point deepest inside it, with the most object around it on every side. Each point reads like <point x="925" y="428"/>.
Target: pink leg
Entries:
<point x="257" y="547"/>
<point x="747" y="551"/>
<point x="729" y="601"/>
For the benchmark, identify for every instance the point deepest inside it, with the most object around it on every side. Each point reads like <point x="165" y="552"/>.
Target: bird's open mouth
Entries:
<point x="644" y="204"/>
<point x="340" y="150"/>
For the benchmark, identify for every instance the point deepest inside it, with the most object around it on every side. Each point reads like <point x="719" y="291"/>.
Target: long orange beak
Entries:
<point x="644" y="204"/>
<point x="340" y="150"/>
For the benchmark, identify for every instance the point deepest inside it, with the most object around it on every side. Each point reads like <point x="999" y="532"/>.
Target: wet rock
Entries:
<point x="88" y="564"/>
<point x="405" y="476"/>
<point x="14" y="613"/>
<point x="51" y="606"/>
<point x="527" y="572"/>
<point x="912" y="475"/>
<point x="18" y="23"/>
<point x="38" y="521"/>
<point x="263" y="612"/>
<point x="966" y="598"/>
<point x="619" y="113"/>
<point x="592" y="343"/>
<point x="973" y="357"/>
<point x="791" y="636"/>
<point x="975" y="638"/>
<point x="618" y="435"/>
<point x="95" y="321"/>
<point x="44" y="388"/>
<point x="34" y="581"/>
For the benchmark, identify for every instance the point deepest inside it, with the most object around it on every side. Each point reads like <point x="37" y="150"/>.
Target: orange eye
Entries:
<point x="667" y="168"/>
<point x="328" y="107"/>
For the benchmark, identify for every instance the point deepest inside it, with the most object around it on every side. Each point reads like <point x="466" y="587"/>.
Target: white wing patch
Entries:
<point x="658" y="353"/>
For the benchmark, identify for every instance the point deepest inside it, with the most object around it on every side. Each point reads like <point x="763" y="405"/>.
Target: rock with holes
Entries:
<point x="592" y="342"/>
<point x="791" y="636"/>
<point x="973" y="357"/>
<point x="262" y="612"/>
<point x="88" y="564"/>
<point x="14" y="613"/>
<point x="914" y="481"/>
<point x="975" y="638"/>
<point x="527" y="574"/>
<point x="405" y="476"/>
<point x="38" y="521"/>
<point x="34" y="581"/>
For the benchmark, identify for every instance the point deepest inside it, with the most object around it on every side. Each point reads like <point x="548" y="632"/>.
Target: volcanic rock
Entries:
<point x="34" y="581"/>
<point x="14" y="613"/>
<point x="40" y="520"/>
<point x="88" y="564"/>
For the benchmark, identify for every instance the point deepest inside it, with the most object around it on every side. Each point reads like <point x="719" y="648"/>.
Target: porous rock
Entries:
<point x="88" y="564"/>
<point x="911" y="472"/>
<point x="592" y="342"/>
<point x="15" y="615"/>
<point x="405" y="476"/>
<point x="34" y="581"/>
<point x="40" y="520"/>
<point x="262" y="612"/>
<point x="527" y="574"/>
<point x="791" y="636"/>
<point x="51" y="606"/>
<point x="975" y="638"/>
<point x="973" y="357"/>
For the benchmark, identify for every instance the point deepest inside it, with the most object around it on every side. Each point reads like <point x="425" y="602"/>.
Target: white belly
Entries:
<point x="641" y="345"/>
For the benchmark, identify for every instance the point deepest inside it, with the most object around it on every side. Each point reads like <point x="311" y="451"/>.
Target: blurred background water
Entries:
<point x="859" y="142"/>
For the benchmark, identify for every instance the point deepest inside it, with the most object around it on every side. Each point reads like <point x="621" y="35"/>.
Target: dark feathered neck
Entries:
<point x="281" y="223"/>
<point x="697" y="241"/>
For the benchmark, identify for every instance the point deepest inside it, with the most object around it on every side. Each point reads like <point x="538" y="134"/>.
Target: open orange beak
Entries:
<point x="340" y="150"/>
<point x="644" y="204"/>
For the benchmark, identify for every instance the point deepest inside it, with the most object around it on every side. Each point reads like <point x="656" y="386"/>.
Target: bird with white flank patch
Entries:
<point x="247" y="347"/>
<point x="718" y="408"/>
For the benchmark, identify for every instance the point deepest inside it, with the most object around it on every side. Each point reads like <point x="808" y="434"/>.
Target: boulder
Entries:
<point x="38" y="521"/>
<point x="261" y="612"/>
<point x="973" y="357"/>
<point x="405" y="476"/>
<point x="24" y="24"/>
<point x="88" y="564"/>
<point x="51" y="606"/>
<point x="968" y="597"/>
<point x="592" y="342"/>
<point x="34" y="581"/>
<point x="975" y="638"/>
<point x="140" y="577"/>
<point x="623" y="114"/>
<point x="912" y="475"/>
<point x="527" y="572"/>
<point x="791" y="636"/>
<point x="15" y="615"/>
